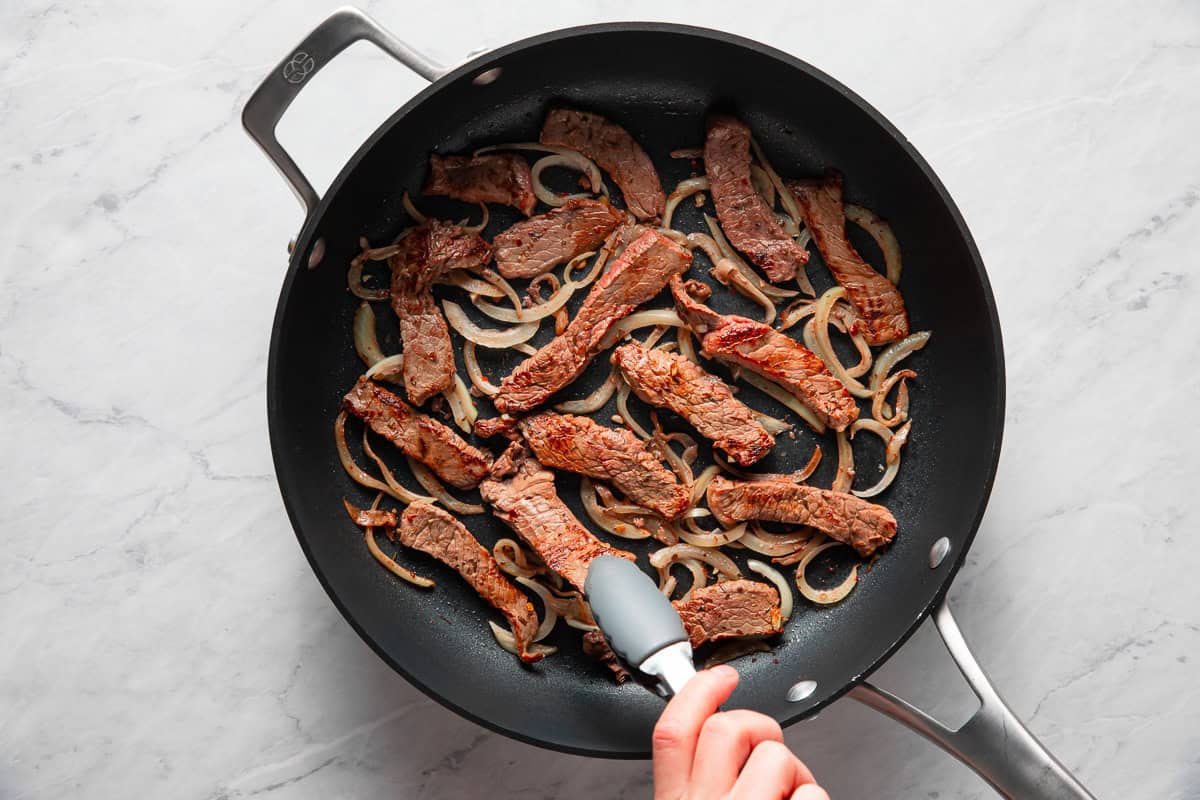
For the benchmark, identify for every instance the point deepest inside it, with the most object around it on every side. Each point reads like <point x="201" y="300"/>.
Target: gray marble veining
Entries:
<point x="162" y="635"/>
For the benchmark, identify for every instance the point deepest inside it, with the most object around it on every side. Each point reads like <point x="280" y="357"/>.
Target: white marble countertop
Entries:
<point x="162" y="635"/>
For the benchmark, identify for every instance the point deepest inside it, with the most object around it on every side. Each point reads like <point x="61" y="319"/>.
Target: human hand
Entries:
<point x="700" y="753"/>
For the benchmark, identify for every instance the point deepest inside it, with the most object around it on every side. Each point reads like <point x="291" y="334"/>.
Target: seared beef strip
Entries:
<point x="728" y="609"/>
<point x="610" y="146"/>
<point x="748" y="222"/>
<point x="849" y="519"/>
<point x="540" y="244"/>
<point x="490" y="178"/>
<point x="766" y="351"/>
<point x="639" y="274"/>
<point x="521" y="494"/>
<point x="613" y="455"/>
<point x="424" y="438"/>
<point x="720" y="611"/>
<point x="434" y="531"/>
<point x="428" y="252"/>
<point x="879" y="304"/>
<point x="675" y="382"/>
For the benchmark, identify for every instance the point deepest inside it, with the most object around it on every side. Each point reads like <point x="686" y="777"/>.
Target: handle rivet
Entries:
<point x="487" y="76"/>
<point x="938" y="553"/>
<point x="317" y="253"/>
<point x="801" y="691"/>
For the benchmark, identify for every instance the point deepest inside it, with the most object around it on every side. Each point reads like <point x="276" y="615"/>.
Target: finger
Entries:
<point x="679" y="727"/>
<point x="726" y="741"/>
<point x="810" y="791"/>
<point x="771" y="773"/>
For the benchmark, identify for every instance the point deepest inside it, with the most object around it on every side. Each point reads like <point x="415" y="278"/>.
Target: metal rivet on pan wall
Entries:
<point x="487" y="76"/>
<point x="801" y="691"/>
<point x="938" y="553"/>
<point x="317" y="253"/>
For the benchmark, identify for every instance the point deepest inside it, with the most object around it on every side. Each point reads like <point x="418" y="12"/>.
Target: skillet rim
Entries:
<point x="296" y="266"/>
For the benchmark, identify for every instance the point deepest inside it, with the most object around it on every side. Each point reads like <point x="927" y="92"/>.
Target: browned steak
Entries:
<point x="849" y="519"/>
<point x="745" y="217"/>
<point x="428" y="252"/>
<point x="489" y="178"/>
<point x="595" y="646"/>
<point x="521" y="494"/>
<point x="639" y="274"/>
<point x="777" y="357"/>
<point x="612" y="455"/>
<point x="540" y="244"/>
<point x="675" y="382"/>
<point x="728" y="609"/>
<point x="611" y="147"/>
<point x="879" y="304"/>
<point x="434" y="531"/>
<point x="424" y="438"/>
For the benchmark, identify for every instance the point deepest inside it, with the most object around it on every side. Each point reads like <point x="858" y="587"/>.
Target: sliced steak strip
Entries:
<point x="728" y="609"/>
<point x="675" y="382"/>
<point x="610" y="146"/>
<point x="540" y="244"/>
<point x="721" y="611"/>
<point x="879" y="304"/>
<point x="424" y="438"/>
<point x="849" y="519"/>
<point x="613" y="455"/>
<point x="767" y="352"/>
<point x="434" y="531"/>
<point x="490" y="178"/>
<point x="639" y="274"/>
<point x="521" y="494"/>
<point x="745" y="217"/>
<point x="429" y="252"/>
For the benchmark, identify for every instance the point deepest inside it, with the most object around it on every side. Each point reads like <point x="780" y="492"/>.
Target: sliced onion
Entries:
<point x="538" y="312"/>
<point x="592" y="274"/>
<point x="354" y="278"/>
<point x="798" y="476"/>
<point x="525" y="349"/>
<point x="844" y="478"/>
<point x="640" y="319"/>
<point x="772" y="425"/>
<point x="478" y="379"/>
<point x="796" y="312"/>
<point x="790" y="226"/>
<point x="398" y="491"/>
<point x="411" y="210"/>
<point x="824" y="597"/>
<point x="578" y="160"/>
<point x="729" y="252"/>
<point x="594" y="401"/>
<point x="388" y="369"/>
<point x="728" y="274"/>
<point x="517" y="564"/>
<point x="366" y="343"/>
<point x="686" y="348"/>
<point x="543" y="192"/>
<point x="882" y="233"/>
<point x="392" y="488"/>
<point x="549" y="607"/>
<point x="391" y="565"/>
<point x="462" y="405"/>
<point x="781" y="395"/>
<point x="683" y="189"/>
<point x="601" y="516"/>
<point x="623" y="411"/>
<point x="431" y="484"/>
<point x="825" y="347"/>
<point x="482" y="224"/>
<point x="687" y="152"/>
<point x="505" y="638"/>
<point x="717" y="538"/>
<point x="497" y="280"/>
<point x="496" y="339"/>
<point x="699" y="577"/>
<point x="789" y="205"/>
<point x="879" y="400"/>
<point x="774" y="544"/>
<point x="893" y="442"/>
<point x="762" y="184"/>
<point x="776" y="578"/>
<point x="464" y="280"/>
<point x="715" y="559"/>
<point x="702" y="481"/>
<point x="895" y="352"/>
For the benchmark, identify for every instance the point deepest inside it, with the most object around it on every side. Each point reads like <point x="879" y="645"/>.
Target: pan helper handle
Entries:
<point x="641" y="625"/>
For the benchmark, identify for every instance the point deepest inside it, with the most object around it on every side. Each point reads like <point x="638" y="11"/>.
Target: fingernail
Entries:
<point x="725" y="671"/>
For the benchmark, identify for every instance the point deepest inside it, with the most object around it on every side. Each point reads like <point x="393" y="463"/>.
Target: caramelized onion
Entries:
<point x="781" y="395"/>
<point x="882" y="233"/>
<point x="683" y="189"/>
<point x="824" y="597"/>
<point x="497" y="339"/>
<point x="825" y="347"/>
<point x="478" y="379"/>
<point x="677" y="552"/>
<point x="431" y="484"/>
<point x="776" y="578"/>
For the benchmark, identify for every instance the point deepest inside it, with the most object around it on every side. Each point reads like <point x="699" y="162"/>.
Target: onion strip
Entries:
<point x="772" y="291"/>
<point x="505" y="638"/>
<point x="824" y="597"/>
<point x="641" y="319"/>
<point x="464" y="280"/>
<point x="882" y="233"/>
<point x="774" y="544"/>
<point x="543" y="192"/>
<point x="594" y="401"/>
<point x="478" y="380"/>
<point x="826" y="352"/>
<point x="788" y="200"/>
<point x="549" y="607"/>
<point x="462" y="406"/>
<point x="388" y="369"/>
<point x="366" y="342"/>
<point x="783" y="396"/>
<point x="411" y="210"/>
<point x="845" y="468"/>
<point x="717" y="538"/>
<point x="900" y="350"/>
<point x="715" y="559"/>
<point x="879" y="400"/>
<point x="354" y="281"/>
<point x="397" y="490"/>
<point x="431" y="484"/>
<point x="361" y="476"/>
<point x="390" y="564"/>
<point x="683" y="189"/>
<point x="601" y="516"/>
<point x="493" y="338"/>
<point x="579" y="160"/>
<point x="623" y="411"/>
<point x="773" y="575"/>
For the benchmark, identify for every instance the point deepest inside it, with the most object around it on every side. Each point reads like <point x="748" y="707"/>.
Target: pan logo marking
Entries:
<point x="299" y="67"/>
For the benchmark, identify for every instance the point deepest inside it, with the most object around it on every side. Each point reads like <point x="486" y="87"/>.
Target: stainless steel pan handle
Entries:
<point x="269" y="102"/>
<point x="993" y="742"/>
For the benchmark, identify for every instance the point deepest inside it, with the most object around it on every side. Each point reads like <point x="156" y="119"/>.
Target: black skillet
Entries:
<point x="658" y="81"/>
